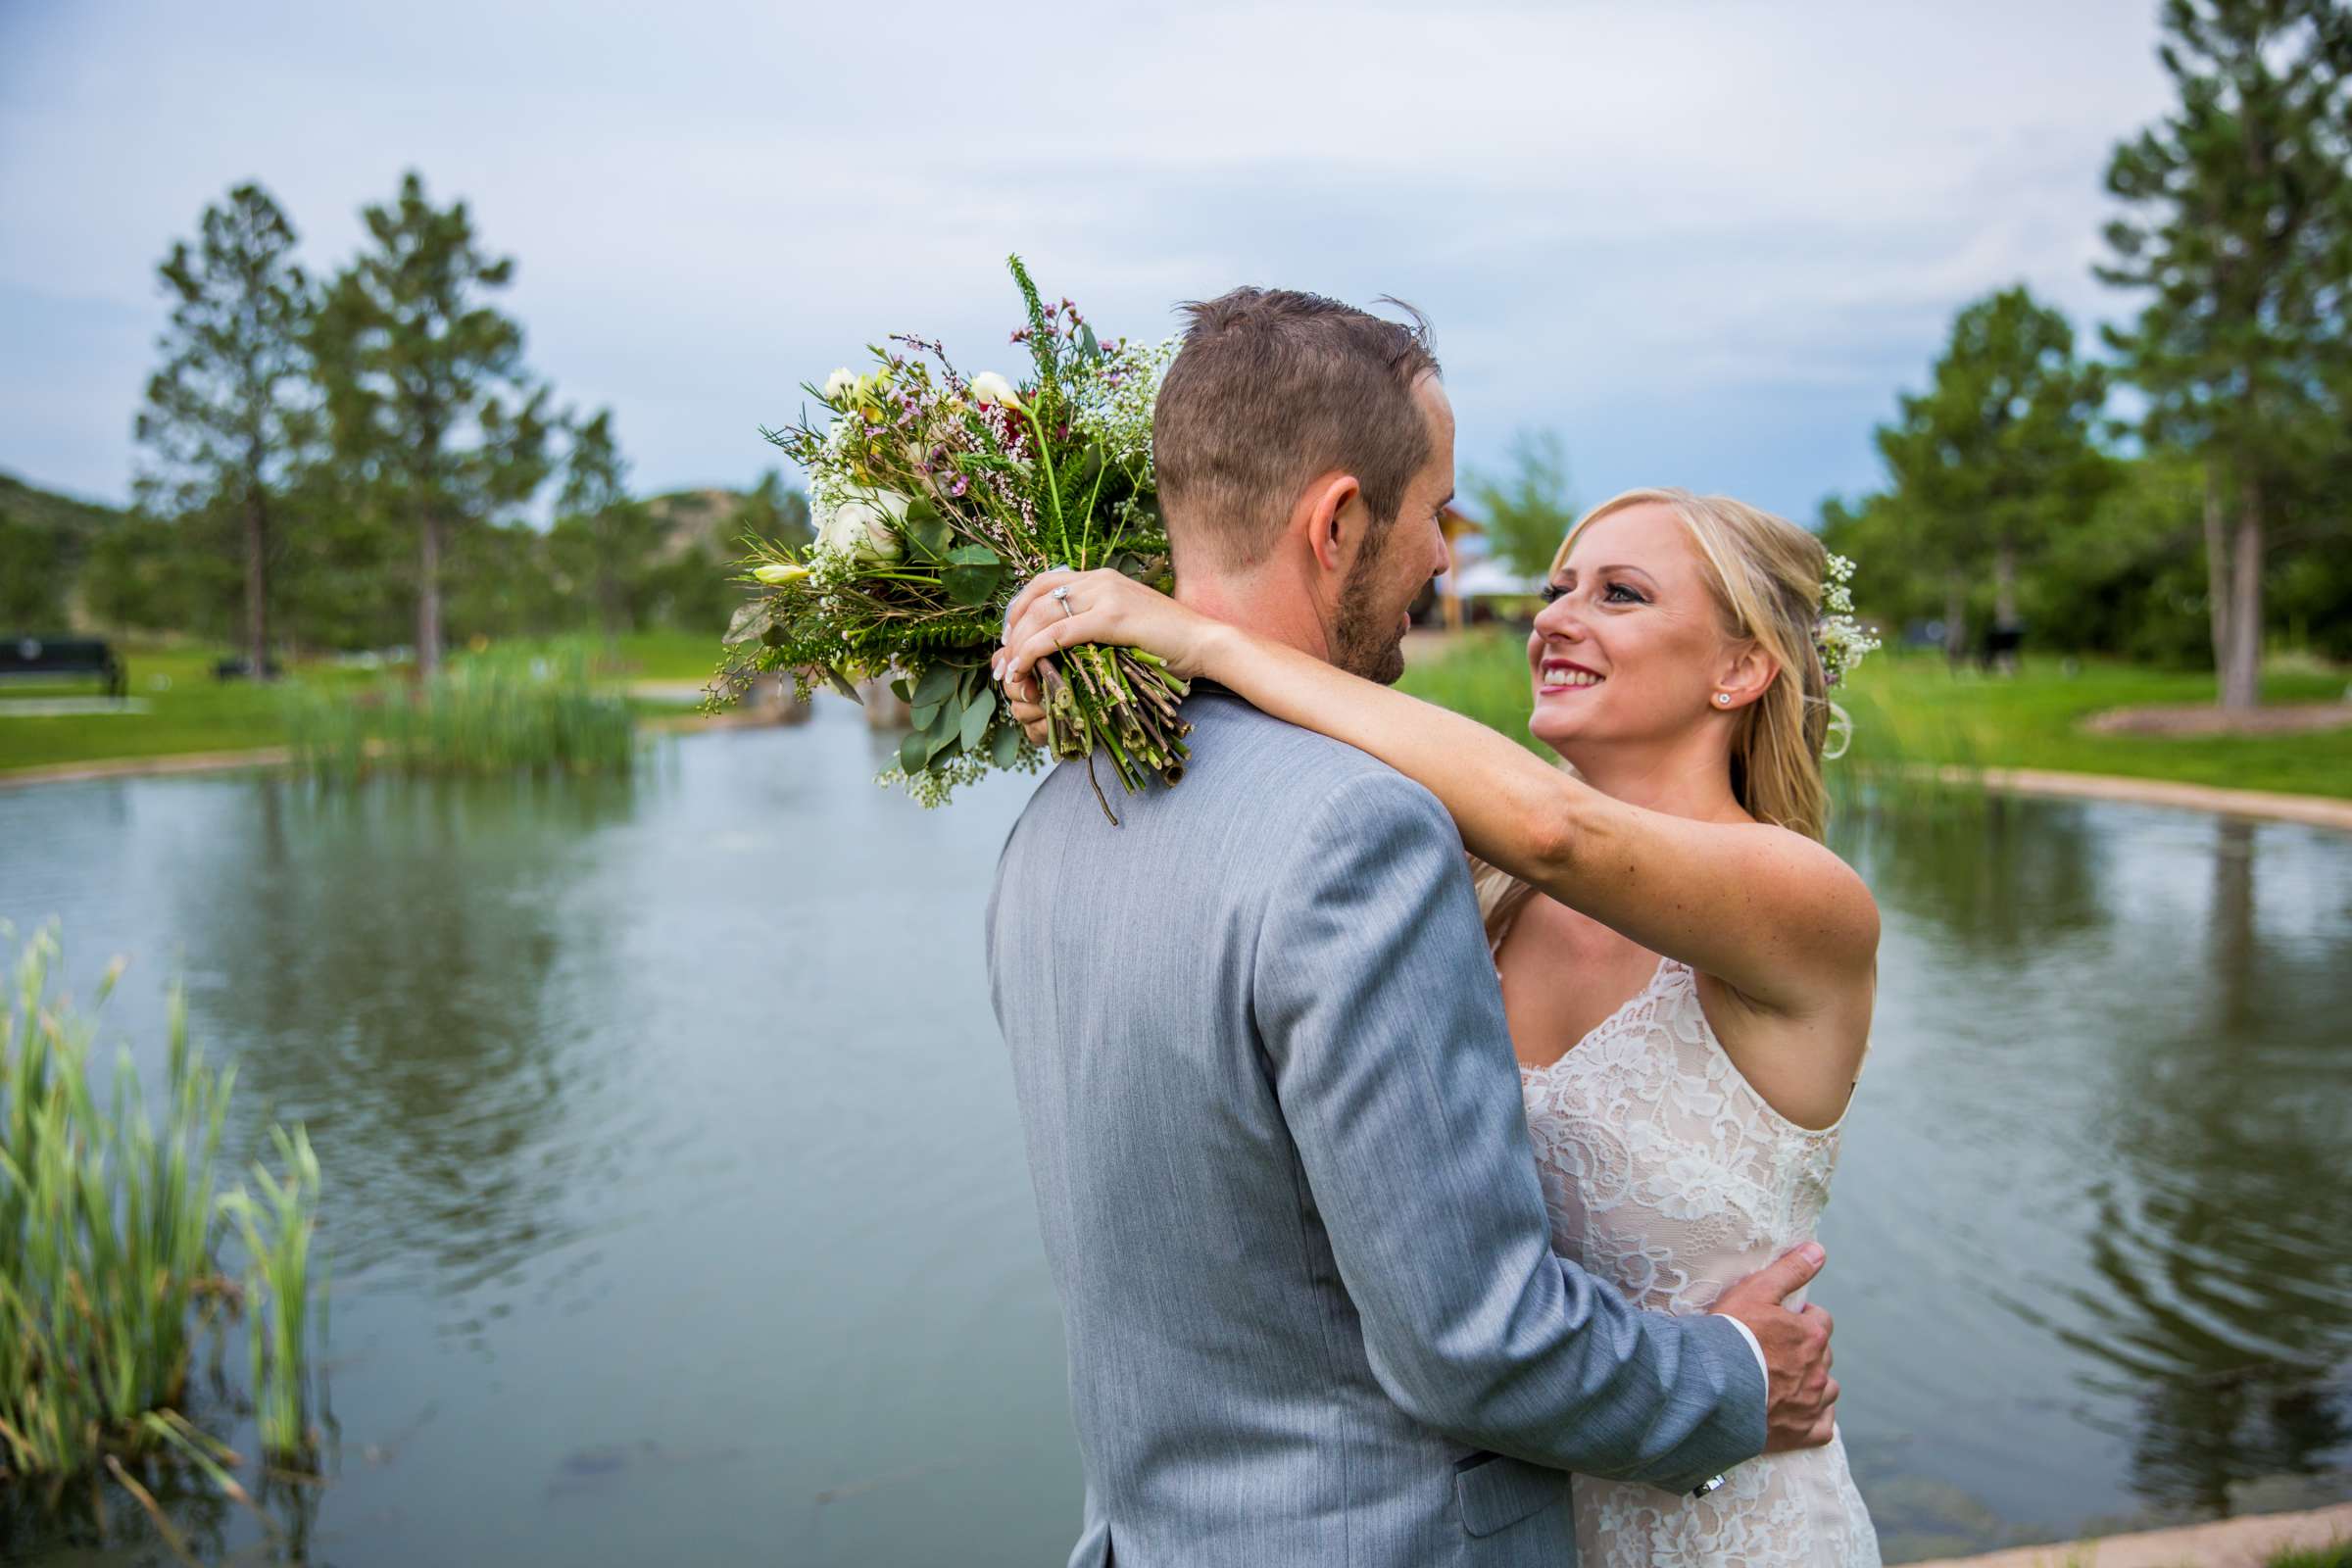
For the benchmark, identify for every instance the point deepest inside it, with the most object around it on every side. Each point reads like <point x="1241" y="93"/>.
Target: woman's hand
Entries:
<point x="1102" y="606"/>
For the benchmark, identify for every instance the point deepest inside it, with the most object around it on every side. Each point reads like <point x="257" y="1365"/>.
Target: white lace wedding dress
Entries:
<point x="1666" y="1173"/>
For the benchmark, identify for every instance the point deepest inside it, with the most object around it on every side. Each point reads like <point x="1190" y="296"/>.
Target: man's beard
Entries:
<point x="1365" y="640"/>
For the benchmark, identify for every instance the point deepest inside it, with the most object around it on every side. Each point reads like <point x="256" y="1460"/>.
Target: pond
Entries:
<point x="678" y="1208"/>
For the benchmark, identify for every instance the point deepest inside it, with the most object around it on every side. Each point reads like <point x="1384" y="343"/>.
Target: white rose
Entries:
<point x="840" y="384"/>
<point x="990" y="387"/>
<point x="864" y="525"/>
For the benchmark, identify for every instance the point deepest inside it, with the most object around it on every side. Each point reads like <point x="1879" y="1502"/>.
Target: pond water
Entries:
<point x="678" y="1208"/>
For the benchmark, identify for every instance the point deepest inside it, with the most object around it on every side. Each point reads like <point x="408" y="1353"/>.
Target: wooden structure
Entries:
<point x="1456" y="525"/>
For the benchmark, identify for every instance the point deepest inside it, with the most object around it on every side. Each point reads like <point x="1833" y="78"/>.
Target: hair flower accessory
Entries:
<point x="1838" y="638"/>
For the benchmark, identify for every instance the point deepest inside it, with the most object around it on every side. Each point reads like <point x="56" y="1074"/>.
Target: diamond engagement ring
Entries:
<point x="1062" y="596"/>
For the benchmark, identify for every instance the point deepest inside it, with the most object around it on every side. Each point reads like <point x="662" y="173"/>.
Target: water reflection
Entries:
<point x="1997" y="876"/>
<point x="2132" y="1133"/>
<point x="406" y="969"/>
<point x="2227" y="1311"/>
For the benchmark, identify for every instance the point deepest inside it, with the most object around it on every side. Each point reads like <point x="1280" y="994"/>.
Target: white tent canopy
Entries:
<point x="1490" y="578"/>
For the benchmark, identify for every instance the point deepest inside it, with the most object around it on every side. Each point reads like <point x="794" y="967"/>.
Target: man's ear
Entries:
<point x="1328" y="510"/>
<point x="1746" y="675"/>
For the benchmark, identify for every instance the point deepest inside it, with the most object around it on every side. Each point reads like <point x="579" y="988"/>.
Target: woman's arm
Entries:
<point x="1768" y="911"/>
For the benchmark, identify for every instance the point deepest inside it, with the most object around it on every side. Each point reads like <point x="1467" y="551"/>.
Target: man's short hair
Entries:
<point x="1271" y="389"/>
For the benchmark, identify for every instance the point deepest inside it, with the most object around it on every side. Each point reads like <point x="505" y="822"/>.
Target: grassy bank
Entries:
<point x="186" y="710"/>
<point x="1909" y="709"/>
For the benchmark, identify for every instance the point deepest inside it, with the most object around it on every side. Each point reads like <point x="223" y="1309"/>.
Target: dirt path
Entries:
<point x="2315" y="811"/>
<point x="2223" y="1543"/>
<point x="2286" y="718"/>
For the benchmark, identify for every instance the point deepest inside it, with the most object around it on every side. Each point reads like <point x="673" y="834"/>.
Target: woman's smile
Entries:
<point x="1556" y="674"/>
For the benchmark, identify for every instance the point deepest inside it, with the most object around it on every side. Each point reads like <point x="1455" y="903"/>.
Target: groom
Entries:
<point x="1285" y="1184"/>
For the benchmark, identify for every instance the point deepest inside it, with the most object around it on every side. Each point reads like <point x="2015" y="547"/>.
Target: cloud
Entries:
<point x="1707" y="240"/>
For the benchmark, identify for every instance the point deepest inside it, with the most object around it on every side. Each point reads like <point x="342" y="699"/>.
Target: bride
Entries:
<point x="1687" y="971"/>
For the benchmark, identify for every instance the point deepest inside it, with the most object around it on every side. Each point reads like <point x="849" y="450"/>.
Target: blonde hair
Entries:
<point x="1766" y="575"/>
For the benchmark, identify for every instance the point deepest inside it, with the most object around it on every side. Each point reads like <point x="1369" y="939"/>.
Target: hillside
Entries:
<point x="697" y="520"/>
<point x="44" y="539"/>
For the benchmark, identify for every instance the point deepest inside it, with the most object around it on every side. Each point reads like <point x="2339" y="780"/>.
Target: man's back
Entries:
<point x="1284" y="1188"/>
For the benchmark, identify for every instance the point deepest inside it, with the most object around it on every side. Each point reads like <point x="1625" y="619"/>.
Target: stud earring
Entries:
<point x="1723" y="699"/>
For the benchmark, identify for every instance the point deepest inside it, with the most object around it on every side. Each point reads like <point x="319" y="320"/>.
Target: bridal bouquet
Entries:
<point x="936" y="495"/>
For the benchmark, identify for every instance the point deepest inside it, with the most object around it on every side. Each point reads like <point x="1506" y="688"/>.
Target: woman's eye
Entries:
<point x="1552" y="591"/>
<point x="1620" y="594"/>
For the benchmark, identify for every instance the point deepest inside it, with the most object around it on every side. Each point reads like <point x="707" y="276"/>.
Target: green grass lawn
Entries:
<point x="1909" y="709"/>
<point x="190" y="712"/>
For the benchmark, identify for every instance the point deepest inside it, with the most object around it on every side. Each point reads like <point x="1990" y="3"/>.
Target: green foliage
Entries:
<point x="2238" y="229"/>
<point x="229" y="414"/>
<point x="2338" y="1554"/>
<point x="32" y="579"/>
<point x="602" y="538"/>
<point x="432" y="412"/>
<point x="1996" y="458"/>
<point x="1527" y="512"/>
<point x="111" y="1241"/>
<point x="504" y="712"/>
<point x="45" y="542"/>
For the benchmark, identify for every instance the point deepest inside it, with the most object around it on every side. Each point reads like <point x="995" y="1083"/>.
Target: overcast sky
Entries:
<point x="1705" y="240"/>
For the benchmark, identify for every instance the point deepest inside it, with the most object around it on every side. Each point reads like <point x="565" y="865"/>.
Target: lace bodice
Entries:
<point x="1667" y="1174"/>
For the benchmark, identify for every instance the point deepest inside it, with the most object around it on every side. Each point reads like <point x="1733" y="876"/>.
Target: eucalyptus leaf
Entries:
<point x="975" y="721"/>
<point x="841" y="684"/>
<point x="1087" y="344"/>
<point x="902" y="690"/>
<point x="1006" y="749"/>
<point x="748" y="622"/>
<point x="912" y="756"/>
<point x="927" y="529"/>
<point x="937" y="683"/>
<point x="973" y="585"/>
<point x="973" y="574"/>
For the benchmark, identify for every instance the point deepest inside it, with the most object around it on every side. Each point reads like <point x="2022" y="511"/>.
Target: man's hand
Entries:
<point x="1802" y="1409"/>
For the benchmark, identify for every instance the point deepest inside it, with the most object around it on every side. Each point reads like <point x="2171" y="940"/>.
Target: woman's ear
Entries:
<point x="1745" y="675"/>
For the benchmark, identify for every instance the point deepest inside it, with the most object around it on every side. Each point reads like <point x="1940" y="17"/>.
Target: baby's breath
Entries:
<point x="1841" y="640"/>
<point x="1115" y="404"/>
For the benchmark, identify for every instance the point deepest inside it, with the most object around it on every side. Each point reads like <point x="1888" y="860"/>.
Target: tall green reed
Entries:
<point x="111" y="1232"/>
<point x="535" y="710"/>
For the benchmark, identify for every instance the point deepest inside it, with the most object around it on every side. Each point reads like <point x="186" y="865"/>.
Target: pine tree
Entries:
<point x="430" y="403"/>
<point x="2241" y="230"/>
<point x="1998" y="456"/>
<point x="1528" y="514"/>
<point x="601" y="533"/>
<point x="228" y="415"/>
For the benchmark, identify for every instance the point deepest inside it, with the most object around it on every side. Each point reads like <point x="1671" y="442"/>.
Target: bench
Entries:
<point x="24" y="658"/>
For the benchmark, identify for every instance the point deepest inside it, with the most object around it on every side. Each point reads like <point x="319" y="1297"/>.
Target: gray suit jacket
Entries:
<point x="1286" y="1189"/>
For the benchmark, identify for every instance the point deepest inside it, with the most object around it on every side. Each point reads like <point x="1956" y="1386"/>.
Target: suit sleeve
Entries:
<point x="1374" y="998"/>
